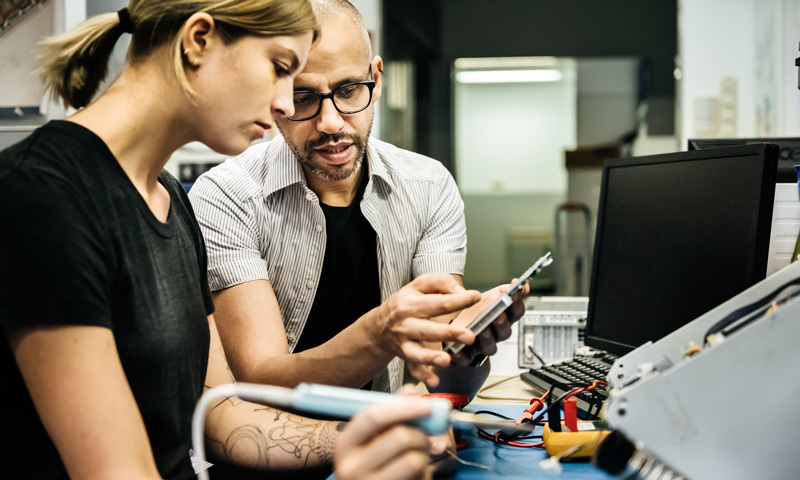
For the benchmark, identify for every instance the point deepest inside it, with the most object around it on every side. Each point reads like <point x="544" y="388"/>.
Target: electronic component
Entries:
<point x="578" y="444"/>
<point x="551" y="330"/>
<point x="680" y="409"/>
<point x="498" y="306"/>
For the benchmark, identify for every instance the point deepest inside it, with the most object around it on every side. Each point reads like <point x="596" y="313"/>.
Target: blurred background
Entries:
<point x="522" y="100"/>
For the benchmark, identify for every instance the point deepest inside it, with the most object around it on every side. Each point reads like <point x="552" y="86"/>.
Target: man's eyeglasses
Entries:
<point x="347" y="99"/>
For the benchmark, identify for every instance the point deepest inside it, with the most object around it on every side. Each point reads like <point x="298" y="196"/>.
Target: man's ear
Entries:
<point x="377" y="75"/>
<point x="199" y="35"/>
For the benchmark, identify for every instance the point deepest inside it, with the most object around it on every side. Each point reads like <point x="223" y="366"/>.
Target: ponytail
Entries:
<point x="73" y="64"/>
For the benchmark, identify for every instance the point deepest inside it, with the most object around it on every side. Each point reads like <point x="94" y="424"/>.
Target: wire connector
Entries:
<point x="551" y="465"/>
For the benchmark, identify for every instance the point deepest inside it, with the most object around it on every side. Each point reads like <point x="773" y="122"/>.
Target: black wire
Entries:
<point x="489" y="412"/>
<point x="506" y="436"/>
<point x="503" y="438"/>
<point x="551" y="404"/>
<point x="742" y="312"/>
<point x="567" y="387"/>
<point x="541" y="360"/>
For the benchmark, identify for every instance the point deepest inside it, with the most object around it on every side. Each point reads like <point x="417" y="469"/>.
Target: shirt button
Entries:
<point x="309" y="284"/>
<point x="309" y="196"/>
<point x="290" y="337"/>
<point x="319" y="228"/>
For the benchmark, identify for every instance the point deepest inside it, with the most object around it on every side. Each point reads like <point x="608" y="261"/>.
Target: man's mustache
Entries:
<point x="332" y="138"/>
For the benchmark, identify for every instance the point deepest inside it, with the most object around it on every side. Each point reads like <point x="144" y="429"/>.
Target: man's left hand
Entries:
<point x="499" y="330"/>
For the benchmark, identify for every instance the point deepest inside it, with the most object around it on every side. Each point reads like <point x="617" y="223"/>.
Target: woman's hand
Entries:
<point x="378" y="444"/>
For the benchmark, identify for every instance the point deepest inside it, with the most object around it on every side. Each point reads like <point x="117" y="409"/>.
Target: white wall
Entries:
<point x="753" y="42"/>
<point x="607" y="95"/>
<point x="790" y="116"/>
<point x="511" y="137"/>
<point x="20" y="88"/>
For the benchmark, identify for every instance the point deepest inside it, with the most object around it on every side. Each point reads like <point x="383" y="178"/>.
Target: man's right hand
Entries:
<point x="414" y="322"/>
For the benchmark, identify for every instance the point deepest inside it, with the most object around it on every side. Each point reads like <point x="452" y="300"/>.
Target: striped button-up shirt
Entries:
<point x="260" y="220"/>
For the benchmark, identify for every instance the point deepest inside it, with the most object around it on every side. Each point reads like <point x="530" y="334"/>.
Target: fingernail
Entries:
<point x="466" y="337"/>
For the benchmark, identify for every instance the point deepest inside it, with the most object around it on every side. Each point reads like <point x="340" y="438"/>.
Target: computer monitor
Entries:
<point x="788" y="157"/>
<point x="677" y="235"/>
<point x="786" y="212"/>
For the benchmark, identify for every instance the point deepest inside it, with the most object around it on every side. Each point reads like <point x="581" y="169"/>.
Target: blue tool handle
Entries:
<point x="343" y="403"/>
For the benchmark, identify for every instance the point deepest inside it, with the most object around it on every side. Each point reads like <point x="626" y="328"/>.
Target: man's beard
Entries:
<point x="323" y="171"/>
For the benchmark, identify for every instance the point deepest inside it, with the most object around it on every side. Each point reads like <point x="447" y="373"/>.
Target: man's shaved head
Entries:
<point x="331" y="10"/>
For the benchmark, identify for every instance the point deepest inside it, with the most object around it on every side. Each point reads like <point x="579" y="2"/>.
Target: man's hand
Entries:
<point x="414" y="322"/>
<point x="498" y="330"/>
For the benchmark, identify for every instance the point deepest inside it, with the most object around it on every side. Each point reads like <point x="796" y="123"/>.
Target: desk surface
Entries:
<point x="513" y="462"/>
<point x="509" y="397"/>
<point x="505" y="390"/>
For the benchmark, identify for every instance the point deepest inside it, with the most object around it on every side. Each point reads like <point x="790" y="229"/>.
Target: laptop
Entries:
<point x="677" y="234"/>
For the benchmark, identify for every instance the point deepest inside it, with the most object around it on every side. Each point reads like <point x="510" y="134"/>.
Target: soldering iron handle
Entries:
<point x="342" y="402"/>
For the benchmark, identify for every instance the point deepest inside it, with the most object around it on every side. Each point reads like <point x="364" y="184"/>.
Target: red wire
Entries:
<point x="580" y="390"/>
<point x="536" y="404"/>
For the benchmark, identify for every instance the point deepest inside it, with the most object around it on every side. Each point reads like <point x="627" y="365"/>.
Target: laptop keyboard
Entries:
<point x="580" y="370"/>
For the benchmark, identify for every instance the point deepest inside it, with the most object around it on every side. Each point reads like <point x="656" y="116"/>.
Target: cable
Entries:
<point x="538" y="357"/>
<point x="743" y="312"/>
<point x="498" y="439"/>
<point x="551" y="404"/>
<point x="537" y="403"/>
<point x="482" y="395"/>
<point x="501" y="438"/>
<point x="461" y="460"/>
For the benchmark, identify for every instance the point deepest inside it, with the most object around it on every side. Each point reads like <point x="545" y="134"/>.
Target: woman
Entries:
<point x="103" y="293"/>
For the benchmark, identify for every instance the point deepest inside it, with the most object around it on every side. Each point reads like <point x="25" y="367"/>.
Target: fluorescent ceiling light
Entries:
<point x="508" y="76"/>
<point x="489" y="63"/>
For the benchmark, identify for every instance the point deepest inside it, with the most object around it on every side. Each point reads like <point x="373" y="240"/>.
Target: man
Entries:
<point x="311" y="237"/>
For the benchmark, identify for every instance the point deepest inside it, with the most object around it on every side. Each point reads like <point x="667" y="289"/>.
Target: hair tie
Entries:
<point x="125" y="21"/>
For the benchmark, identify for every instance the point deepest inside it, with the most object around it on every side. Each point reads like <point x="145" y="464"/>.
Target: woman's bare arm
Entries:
<point x="76" y="381"/>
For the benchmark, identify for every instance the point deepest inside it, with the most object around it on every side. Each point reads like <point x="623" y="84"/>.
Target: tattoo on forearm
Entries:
<point x="248" y="437"/>
<point x="327" y="443"/>
<point x="301" y="437"/>
<point x="310" y="442"/>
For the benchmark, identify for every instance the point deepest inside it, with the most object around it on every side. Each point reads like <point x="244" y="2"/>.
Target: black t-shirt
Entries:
<point x="348" y="285"/>
<point x="80" y="247"/>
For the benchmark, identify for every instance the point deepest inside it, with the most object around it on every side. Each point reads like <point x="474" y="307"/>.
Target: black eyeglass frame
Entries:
<point x="322" y="96"/>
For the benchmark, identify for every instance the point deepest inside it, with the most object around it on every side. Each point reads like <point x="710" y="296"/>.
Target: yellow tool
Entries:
<point x="579" y="444"/>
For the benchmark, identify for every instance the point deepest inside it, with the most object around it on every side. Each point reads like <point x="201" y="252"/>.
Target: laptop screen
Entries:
<point x="677" y="235"/>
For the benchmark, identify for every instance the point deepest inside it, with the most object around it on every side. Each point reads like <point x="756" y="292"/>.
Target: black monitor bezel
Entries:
<point x="769" y="155"/>
<point x="788" y="156"/>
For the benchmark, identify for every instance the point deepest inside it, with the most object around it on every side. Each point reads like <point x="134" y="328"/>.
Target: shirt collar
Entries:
<point x="377" y="168"/>
<point x="285" y="169"/>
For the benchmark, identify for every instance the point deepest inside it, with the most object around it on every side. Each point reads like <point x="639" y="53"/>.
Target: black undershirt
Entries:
<point x="349" y="285"/>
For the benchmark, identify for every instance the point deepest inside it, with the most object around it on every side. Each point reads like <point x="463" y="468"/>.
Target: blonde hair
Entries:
<point x="73" y="65"/>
